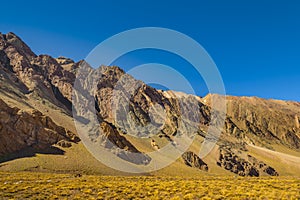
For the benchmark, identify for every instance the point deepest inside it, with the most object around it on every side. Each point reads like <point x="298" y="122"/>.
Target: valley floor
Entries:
<point x="31" y="185"/>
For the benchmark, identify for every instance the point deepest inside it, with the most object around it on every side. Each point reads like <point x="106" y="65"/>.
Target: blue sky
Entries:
<point x="255" y="44"/>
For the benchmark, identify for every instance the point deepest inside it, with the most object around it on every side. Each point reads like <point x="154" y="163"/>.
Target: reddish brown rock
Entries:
<point x="20" y="129"/>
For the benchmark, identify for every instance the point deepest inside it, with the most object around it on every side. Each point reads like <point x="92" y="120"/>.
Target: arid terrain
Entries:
<point x="41" y="151"/>
<point x="61" y="186"/>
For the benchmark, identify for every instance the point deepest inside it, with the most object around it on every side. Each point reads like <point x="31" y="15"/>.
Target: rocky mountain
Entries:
<point x="36" y="112"/>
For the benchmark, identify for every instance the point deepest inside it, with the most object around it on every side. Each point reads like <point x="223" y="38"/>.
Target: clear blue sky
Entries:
<point x="255" y="44"/>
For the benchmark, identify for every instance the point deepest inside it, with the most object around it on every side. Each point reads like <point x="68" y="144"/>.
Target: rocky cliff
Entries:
<point x="20" y="129"/>
<point x="25" y="76"/>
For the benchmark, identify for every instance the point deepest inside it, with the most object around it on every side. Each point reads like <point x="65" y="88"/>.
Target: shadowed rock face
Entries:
<point x="192" y="160"/>
<point x="113" y="138"/>
<point x="20" y="129"/>
<point x="243" y="167"/>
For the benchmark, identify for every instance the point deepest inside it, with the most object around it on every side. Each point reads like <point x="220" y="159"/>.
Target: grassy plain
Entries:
<point x="31" y="185"/>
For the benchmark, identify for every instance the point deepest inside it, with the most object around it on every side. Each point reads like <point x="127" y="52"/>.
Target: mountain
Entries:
<point x="37" y="131"/>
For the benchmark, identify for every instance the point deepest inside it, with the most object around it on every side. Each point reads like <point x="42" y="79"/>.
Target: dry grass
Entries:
<point x="67" y="186"/>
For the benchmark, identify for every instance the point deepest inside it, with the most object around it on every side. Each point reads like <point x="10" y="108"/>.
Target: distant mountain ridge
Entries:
<point x="33" y="87"/>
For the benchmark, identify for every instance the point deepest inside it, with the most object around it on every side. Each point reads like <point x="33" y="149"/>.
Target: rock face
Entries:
<point x="149" y="110"/>
<point x="50" y="80"/>
<point x="270" y="120"/>
<point x="243" y="167"/>
<point x="20" y="129"/>
<point x="114" y="138"/>
<point x="192" y="160"/>
<point x="24" y="75"/>
<point x="263" y="122"/>
<point x="260" y="165"/>
<point x="133" y="108"/>
<point x="41" y="75"/>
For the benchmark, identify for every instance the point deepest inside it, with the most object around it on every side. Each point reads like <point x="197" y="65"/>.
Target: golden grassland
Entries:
<point x="23" y="185"/>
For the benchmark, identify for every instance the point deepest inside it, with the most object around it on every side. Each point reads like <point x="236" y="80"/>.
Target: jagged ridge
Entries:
<point x="249" y="120"/>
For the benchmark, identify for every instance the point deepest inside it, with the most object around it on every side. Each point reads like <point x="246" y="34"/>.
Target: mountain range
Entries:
<point x="260" y="137"/>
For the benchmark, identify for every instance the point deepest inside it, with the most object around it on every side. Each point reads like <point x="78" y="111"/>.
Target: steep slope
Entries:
<point x="263" y="122"/>
<point x="20" y="129"/>
<point x="42" y="75"/>
<point x="23" y="84"/>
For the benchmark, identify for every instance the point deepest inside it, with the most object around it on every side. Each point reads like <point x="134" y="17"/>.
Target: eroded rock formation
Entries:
<point x="243" y="167"/>
<point x="192" y="160"/>
<point x="20" y="129"/>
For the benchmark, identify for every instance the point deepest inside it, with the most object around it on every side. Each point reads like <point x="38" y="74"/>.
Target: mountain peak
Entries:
<point x="11" y="41"/>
